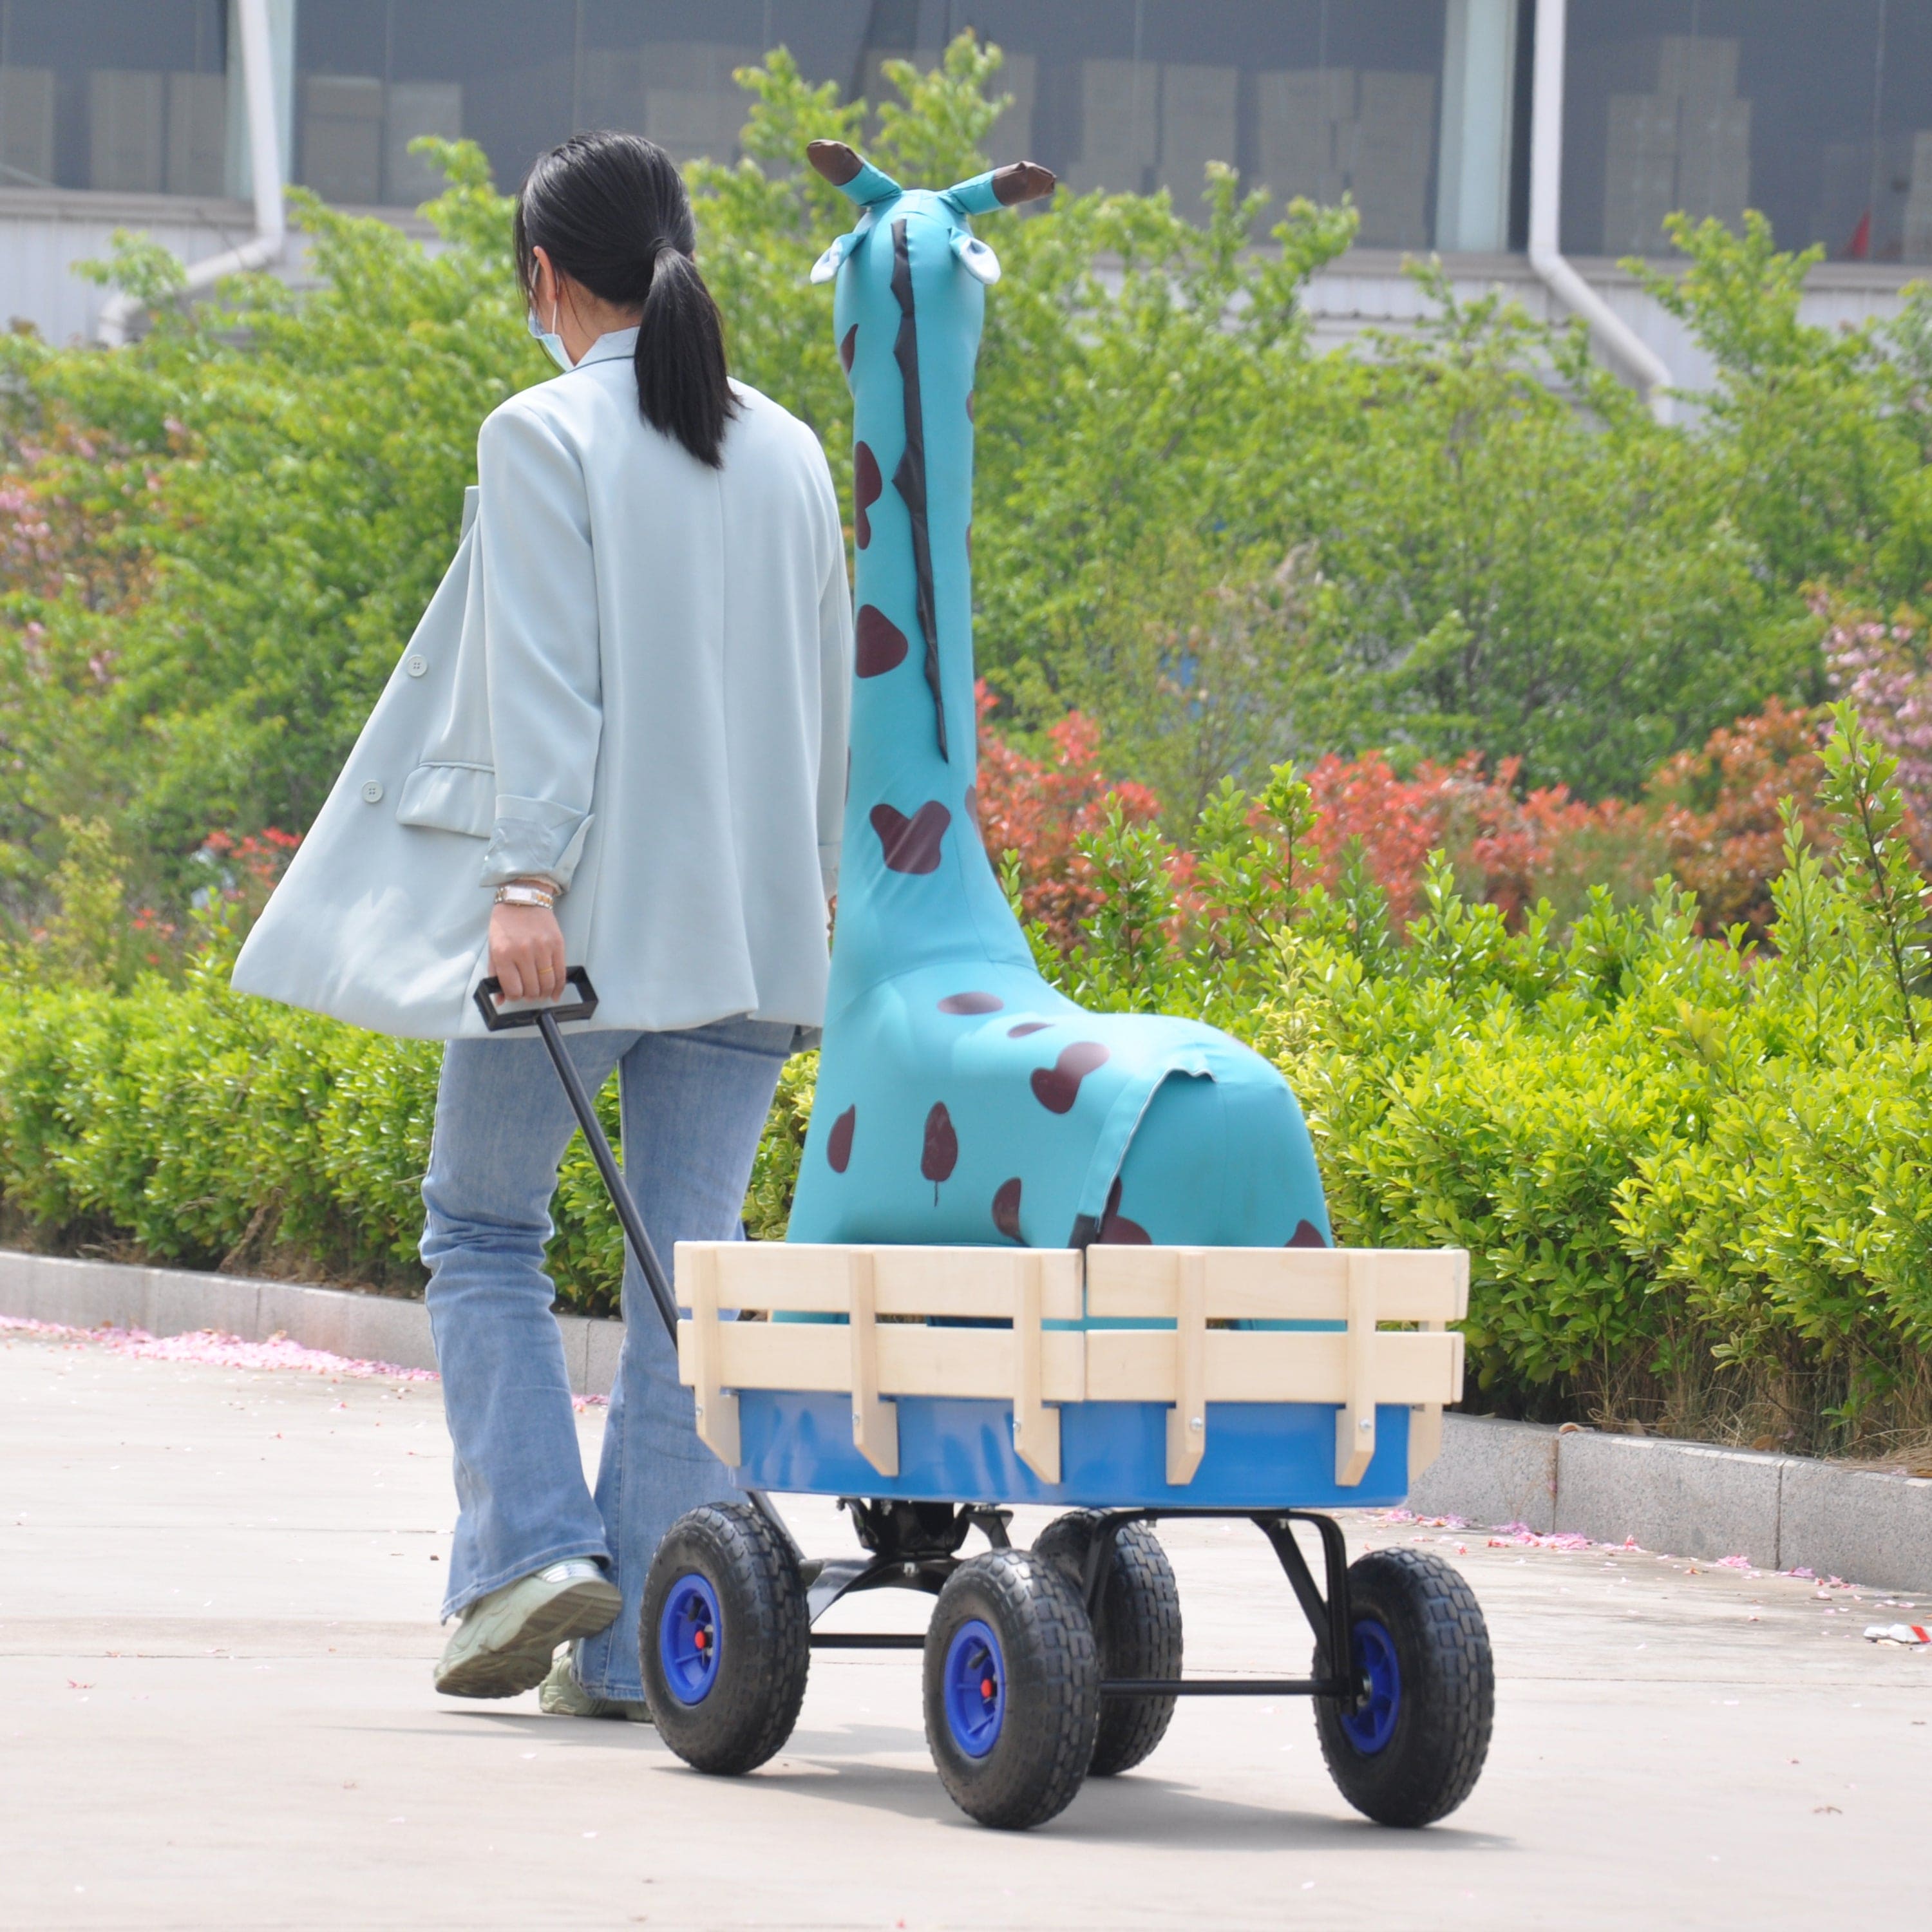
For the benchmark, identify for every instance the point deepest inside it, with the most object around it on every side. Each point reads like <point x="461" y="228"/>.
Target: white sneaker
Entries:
<point x="506" y="1641"/>
<point x="562" y="1695"/>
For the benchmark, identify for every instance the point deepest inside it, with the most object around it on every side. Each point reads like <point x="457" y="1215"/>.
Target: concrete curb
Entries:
<point x="1782" y="1512"/>
<point x="176" y="1301"/>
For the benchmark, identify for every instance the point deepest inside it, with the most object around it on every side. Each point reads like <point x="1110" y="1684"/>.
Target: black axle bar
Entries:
<point x="1225" y="1687"/>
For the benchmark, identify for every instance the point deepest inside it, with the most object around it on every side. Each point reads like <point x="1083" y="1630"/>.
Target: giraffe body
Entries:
<point x="961" y="1099"/>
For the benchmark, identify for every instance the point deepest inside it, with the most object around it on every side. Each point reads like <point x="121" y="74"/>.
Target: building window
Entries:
<point x="1821" y="116"/>
<point x="1404" y="104"/>
<point x="130" y="96"/>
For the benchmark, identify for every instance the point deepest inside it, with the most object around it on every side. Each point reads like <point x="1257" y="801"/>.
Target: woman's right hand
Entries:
<point x="526" y="951"/>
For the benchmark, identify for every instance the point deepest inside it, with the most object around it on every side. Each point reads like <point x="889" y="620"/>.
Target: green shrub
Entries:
<point x="1694" y="1178"/>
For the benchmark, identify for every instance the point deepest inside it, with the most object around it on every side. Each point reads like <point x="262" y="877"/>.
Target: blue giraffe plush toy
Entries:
<point x="961" y="1099"/>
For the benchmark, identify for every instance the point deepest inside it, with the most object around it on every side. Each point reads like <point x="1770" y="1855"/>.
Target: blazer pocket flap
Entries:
<point x="450" y="798"/>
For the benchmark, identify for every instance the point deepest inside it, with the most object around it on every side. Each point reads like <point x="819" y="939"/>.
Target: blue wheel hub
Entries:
<point x="689" y="1634"/>
<point x="1371" y="1726"/>
<point x="975" y="1686"/>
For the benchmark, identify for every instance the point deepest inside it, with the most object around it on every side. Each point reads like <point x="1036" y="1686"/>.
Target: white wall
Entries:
<point x="43" y="233"/>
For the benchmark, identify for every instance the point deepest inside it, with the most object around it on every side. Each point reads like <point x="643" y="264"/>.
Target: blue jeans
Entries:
<point x="693" y="1104"/>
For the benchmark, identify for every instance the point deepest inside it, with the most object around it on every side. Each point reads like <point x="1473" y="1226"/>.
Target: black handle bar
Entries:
<point x="546" y="1020"/>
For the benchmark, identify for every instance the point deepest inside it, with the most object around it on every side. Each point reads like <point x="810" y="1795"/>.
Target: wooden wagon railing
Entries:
<point x="1395" y="1347"/>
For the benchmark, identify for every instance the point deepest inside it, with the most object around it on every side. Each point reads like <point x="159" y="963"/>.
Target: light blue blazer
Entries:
<point x="634" y="678"/>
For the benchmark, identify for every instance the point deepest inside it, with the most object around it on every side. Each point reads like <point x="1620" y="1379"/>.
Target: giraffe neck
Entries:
<point x="916" y="883"/>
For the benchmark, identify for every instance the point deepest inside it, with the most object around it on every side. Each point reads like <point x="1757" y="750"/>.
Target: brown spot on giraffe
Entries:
<point x="867" y="486"/>
<point x="838" y="1142"/>
<point x="940" y="1154"/>
<point x="1058" y="1087"/>
<point x="971" y="1002"/>
<point x="911" y="845"/>
<point x="1006" y="1210"/>
<point x="880" y="644"/>
<point x="1116" y="1228"/>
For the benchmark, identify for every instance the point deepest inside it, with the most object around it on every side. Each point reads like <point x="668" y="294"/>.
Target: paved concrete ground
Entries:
<point x="216" y="1595"/>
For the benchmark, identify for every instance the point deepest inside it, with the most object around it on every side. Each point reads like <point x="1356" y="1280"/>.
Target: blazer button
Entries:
<point x="416" y="664"/>
<point x="372" y="792"/>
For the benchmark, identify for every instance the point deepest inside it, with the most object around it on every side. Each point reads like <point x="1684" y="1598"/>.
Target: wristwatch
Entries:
<point x="520" y="892"/>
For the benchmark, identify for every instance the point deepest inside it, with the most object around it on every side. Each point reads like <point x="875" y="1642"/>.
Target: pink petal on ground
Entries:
<point x="212" y="1349"/>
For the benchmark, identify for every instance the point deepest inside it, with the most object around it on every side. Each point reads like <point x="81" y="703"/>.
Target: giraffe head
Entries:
<point x="938" y="218"/>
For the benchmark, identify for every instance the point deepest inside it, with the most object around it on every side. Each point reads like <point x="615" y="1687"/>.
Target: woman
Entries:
<point x="630" y="692"/>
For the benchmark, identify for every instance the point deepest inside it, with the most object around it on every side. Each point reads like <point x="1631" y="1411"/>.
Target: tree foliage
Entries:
<point x="1223" y="546"/>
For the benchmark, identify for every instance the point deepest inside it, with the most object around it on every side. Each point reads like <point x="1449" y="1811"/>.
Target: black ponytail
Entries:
<point x="611" y="212"/>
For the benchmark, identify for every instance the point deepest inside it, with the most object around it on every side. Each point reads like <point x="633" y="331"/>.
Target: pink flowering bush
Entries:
<point x="1883" y="666"/>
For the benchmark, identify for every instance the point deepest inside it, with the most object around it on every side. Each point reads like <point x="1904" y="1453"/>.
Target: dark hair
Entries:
<point x="610" y="212"/>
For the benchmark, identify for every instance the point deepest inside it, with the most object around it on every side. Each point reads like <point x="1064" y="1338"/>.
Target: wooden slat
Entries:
<point x="1138" y="1365"/>
<point x="1355" y="1420"/>
<point x="875" y="1424"/>
<point x="1036" y="1426"/>
<point x="815" y="1357"/>
<point x="808" y="1278"/>
<point x="1425" y="1437"/>
<point x="1187" y="1419"/>
<point x="1279" y="1284"/>
<point x="717" y="1411"/>
<point x="1108" y="1365"/>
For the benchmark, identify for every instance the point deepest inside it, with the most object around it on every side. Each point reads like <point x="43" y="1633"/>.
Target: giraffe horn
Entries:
<point x="1002" y="187"/>
<point x="850" y="173"/>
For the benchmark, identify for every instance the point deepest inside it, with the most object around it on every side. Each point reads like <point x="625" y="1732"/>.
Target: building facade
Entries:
<point x="1532" y="143"/>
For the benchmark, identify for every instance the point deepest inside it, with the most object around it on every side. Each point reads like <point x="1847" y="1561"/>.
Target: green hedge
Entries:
<point x="1695" y="1179"/>
<point x="194" y="1125"/>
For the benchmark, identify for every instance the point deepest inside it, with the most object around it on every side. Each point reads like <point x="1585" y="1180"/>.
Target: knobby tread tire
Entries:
<point x="1431" y="1763"/>
<point x="1138" y="1631"/>
<point x="764" y="1648"/>
<point x="1052" y="1695"/>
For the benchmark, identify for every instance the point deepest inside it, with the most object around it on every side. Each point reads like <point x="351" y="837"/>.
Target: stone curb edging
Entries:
<point x="1781" y="1512"/>
<point x="177" y="1301"/>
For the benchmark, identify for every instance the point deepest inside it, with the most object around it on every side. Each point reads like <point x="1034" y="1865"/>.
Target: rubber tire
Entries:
<point x="1138" y="1632"/>
<point x="1435" y="1755"/>
<point x="1052" y="1692"/>
<point x="764" y="1648"/>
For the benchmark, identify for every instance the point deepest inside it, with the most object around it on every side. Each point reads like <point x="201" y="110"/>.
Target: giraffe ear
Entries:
<point x="828" y="264"/>
<point x="976" y="258"/>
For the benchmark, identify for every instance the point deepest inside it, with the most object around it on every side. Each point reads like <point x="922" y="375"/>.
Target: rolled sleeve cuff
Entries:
<point x="828" y="868"/>
<point x="532" y="836"/>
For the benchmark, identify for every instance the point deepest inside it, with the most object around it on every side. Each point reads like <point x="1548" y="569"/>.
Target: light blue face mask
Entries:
<point x="552" y="343"/>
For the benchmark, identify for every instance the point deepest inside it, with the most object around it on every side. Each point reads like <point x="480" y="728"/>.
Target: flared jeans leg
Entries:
<point x="693" y="1104"/>
<point x="501" y="1126"/>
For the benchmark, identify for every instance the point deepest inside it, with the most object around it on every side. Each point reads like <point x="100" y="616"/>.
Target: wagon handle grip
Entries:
<point x="490" y="991"/>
